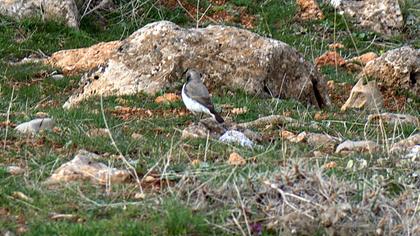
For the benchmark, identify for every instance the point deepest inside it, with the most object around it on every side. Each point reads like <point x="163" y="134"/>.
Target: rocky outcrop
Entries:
<point x="154" y="58"/>
<point x="364" y="96"/>
<point x="77" y="61"/>
<point x="406" y="144"/>
<point x="382" y="16"/>
<point x="392" y="118"/>
<point x="65" y="10"/>
<point x="398" y="68"/>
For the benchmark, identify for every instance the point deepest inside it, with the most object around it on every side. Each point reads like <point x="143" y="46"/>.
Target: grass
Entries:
<point x="201" y="199"/>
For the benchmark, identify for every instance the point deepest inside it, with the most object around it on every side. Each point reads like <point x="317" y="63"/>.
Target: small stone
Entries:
<point x="21" y="196"/>
<point x="149" y="179"/>
<point x="335" y="46"/>
<point x="236" y="160"/>
<point x="287" y="134"/>
<point x="330" y="165"/>
<point x="320" y="116"/>
<point x="238" y="111"/>
<point x="56" y="130"/>
<point x="136" y="136"/>
<point x="36" y="125"/>
<point x="357" y="146"/>
<point x="15" y="170"/>
<point x="98" y="132"/>
<point x="301" y="137"/>
<point x="139" y="196"/>
<point x="233" y="136"/>
<point x="70" y="217"/>
<point x="195" y="162"/>
<point x="331" y="84"/>
<point x="57" y="77"/>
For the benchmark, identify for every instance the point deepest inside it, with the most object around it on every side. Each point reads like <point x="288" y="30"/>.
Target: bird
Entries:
<point x="196" y="97"/>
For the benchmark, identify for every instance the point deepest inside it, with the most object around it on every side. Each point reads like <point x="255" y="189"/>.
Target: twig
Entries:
<point x="243" y="208"/>
<point x="8" y="117"/>
<point x="284" y="194"/>
<point x="117" y="149"/>
<point x="237" y="224"/>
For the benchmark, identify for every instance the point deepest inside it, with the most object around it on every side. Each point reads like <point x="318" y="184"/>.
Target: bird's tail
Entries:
<point x="217" y="117"/>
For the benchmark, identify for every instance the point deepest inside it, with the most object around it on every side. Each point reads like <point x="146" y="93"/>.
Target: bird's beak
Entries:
<point x="184" y="72"/>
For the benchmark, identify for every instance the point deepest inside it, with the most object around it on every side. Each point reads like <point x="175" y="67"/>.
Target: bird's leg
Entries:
<point x="201" y="116"/>
<point x="196" y="121"/>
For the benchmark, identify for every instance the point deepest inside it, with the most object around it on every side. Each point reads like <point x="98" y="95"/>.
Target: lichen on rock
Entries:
<point x="382" y="16"/>
<point x="397" y="68"/>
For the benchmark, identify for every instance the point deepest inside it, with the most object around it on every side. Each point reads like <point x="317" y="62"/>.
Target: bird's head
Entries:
<point x="192" y="74"/>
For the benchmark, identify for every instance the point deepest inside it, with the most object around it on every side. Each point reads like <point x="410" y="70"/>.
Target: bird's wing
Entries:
<point x="198" y="92"/>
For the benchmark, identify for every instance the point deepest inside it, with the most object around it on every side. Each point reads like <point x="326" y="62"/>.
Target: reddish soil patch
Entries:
<point x="392" y="101"/>
<point x="128" y="113"/>
<point x="4" y="124"/>
<point x="214" y="14"/>
<point x="339" y="92"/>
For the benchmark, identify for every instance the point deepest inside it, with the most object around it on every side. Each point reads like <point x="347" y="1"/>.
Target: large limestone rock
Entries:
<point x="76" y="61"/>
<point x="382" y="16"/>
<point x="65" y="10"/>
<point x="398" y="68"/>
<point x="155" y="56"/>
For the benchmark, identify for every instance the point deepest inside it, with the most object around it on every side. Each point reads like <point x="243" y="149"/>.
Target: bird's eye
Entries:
<point x="201" y="75"/>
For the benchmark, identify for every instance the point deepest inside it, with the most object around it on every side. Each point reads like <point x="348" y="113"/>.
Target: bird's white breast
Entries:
<point x="193" y="105"/>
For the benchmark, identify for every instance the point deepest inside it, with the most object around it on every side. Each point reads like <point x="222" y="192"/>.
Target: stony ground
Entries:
<point x="201" y="186"/>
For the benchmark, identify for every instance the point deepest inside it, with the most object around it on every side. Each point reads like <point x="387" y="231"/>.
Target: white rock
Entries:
<point x="233" y="136"/>
<point x="57" y="77"/>
<point x="36" y="125"/>
<point x="357" y="146"/>
<point x="85" y="167"/>
<point x="15" y="170"/>
<point x="413" y="153"/>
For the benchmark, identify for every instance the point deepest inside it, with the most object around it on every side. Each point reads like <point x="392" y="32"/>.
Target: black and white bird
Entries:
<point x="196" y="97"/>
